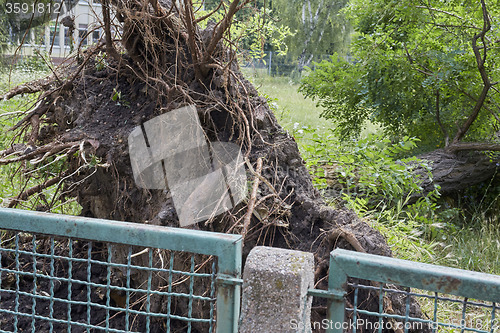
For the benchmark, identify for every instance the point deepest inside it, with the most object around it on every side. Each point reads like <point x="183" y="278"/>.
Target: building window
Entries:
<point x="54" y="35"/>
<point x="82" y="34"/>
<point x="96" y="35"/>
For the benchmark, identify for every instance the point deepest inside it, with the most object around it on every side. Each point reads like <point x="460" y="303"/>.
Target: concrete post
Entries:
<point x="275" y="284"/>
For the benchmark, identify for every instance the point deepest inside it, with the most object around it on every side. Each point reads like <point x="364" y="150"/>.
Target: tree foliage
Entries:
<point x="320" y="27"/>
<point x="426" y="69"/>
<point x="256" y="30"/>
<point x="252" y="29"/>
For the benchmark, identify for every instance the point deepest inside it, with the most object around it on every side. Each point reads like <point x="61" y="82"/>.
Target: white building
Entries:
<point x="55" y="38"/>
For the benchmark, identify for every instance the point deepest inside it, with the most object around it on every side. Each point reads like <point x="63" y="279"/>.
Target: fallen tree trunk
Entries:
<point x="450" y="171"/>
<point x="454" y="172"/>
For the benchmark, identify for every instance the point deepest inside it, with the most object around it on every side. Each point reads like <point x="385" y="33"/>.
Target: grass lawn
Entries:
<point x="290" y="106"/>
<point x="10" y="113"/>
<point x="12" y="180"/>
<point x="292" y="109"/>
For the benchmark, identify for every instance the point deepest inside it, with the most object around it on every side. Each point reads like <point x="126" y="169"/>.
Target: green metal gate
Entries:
<point x="50" y="279"/>
<point x="474" y="296"/>
<point x="57" y="275"/>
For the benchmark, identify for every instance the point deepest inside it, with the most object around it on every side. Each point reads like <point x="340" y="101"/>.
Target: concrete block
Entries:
<point x="275" y="284"/>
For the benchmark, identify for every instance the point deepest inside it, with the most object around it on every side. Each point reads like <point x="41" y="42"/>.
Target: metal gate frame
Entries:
<point x="226" y="247"/>
<point x="438" y="279"/>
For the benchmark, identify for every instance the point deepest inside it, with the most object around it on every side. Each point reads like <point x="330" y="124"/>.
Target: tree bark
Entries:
<point x="312" y="24"/>
<point x="452" y="170"/>
<point x="455" y="172"/>
<point x="481" y="61"/>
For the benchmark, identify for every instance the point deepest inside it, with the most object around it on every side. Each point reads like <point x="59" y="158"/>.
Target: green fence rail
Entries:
<point x="72" y="274"/>
<point x="65" y="273"/>
<point x="475" y="296"/>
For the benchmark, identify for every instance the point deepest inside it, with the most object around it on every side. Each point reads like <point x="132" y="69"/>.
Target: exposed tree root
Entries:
<point x="253" y="197"/>
<point x="47" y="150"/>
<point x="348" y="236"/>
<point x="32" y="190"/>
<point x="29" y="88"/>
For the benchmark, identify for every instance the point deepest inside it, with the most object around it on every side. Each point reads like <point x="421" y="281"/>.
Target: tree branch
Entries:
<point x="219" y="31"/>
<point x="192" y="40"/>
<point x="455" y="26"/>
<point x="480" y="60"/>
<point x="110" y="49"/>
<point x="441" y="11"/>
<point x="203" y="18"/>
<point x="493" y="113"/>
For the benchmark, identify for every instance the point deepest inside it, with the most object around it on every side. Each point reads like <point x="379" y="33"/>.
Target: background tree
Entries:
<point x="19" y="18"/>
<point x="319" y="25"/>
<point x="427" y="69"/>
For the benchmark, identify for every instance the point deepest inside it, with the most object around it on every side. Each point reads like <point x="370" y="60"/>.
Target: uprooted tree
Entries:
<point x="164" y="60"/>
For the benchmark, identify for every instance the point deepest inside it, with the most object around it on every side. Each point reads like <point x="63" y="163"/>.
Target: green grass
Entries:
<point x="451" y="313"/>
<point x="471" y="248"/>
<point x="292" y="109"/>
<point x="477" y="249"/>
<point x="10" y="114"/>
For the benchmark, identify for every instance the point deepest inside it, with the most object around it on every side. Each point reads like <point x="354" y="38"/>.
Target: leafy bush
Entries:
<point x="376" y="179"/>
<point x="33" y="63"/>
<point x="372" y="168"/>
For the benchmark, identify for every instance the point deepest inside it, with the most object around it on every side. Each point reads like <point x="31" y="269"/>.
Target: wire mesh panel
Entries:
<point x="55" y="283"/>
<point x="439" y="312"/>
<point x="369" y="293"/>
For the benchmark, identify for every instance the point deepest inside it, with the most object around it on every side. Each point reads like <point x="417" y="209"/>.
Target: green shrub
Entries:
<point x="376" y="179"/>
